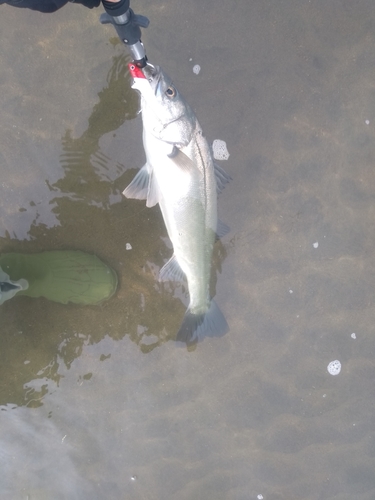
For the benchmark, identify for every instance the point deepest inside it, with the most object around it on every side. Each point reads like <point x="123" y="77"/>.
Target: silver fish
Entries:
<point x="181" y="176"/>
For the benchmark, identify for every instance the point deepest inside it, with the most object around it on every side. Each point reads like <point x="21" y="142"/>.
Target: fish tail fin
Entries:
<point x="195" y="327"/>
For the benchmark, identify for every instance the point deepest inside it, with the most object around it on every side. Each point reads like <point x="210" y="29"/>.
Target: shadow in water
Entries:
<point x="39" y="336"/>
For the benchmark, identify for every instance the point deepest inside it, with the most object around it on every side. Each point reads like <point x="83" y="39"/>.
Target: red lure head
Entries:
<point x="135" y="71"/>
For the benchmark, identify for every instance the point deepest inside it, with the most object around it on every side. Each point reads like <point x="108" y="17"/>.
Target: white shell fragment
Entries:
<point x="334" y="367"/>
<point x="316" y="244"/>
<point x="128" y="246"/>
<point x="220" y="150"/>
<point x="260" y="497"/>
<point x="196" y="69"/>
<point x="367" y="122"/>
<point x="353" y="336"/>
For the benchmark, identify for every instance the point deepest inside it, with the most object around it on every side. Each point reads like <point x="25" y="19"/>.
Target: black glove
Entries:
<point x="87" y="3"/>
<point x="40" y="5"/>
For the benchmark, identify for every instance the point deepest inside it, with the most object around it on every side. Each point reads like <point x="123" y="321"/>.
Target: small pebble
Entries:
<point x="334" y="367"/>
<point x="260" y="497"/>
<point x="220" y="150"/>
<point x="316" y="244"/>
<point x="196" y="69"/>
<point x="133" y="478"/>
<point x="367" y="122"/>
<point x="353" y="336"/>
<point x="290" y="291"/>
<point x="128" y="246"/>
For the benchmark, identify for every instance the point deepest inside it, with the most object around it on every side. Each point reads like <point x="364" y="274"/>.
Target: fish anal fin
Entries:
<point x="171" y="271"/>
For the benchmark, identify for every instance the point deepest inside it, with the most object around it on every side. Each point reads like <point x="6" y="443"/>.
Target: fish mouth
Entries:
<point x="153" y="75"/>
<point x="150" y="73"/>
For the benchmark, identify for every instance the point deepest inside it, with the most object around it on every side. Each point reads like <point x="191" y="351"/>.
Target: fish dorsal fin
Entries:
<point x="171" y="271"/>
<point x="222" y="178"/>
<point x="222" y="229"/>
<point x="181" y="160"/>
<point x="143" y="187"/>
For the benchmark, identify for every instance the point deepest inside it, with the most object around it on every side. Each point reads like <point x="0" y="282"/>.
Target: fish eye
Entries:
<point x="170" y="92"/>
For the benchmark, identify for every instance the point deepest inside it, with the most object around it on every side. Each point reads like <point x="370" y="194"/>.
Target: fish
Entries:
<point x="181" y="176"/>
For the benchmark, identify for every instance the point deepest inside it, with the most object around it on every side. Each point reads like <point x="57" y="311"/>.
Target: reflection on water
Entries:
<point x="83" y="163"/>
<point x="24" y="438"/>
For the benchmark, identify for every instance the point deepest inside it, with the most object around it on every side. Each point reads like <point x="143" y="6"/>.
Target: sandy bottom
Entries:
<point x="98" y="401"/>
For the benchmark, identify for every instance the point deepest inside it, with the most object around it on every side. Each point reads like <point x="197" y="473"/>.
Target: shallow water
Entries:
<point x="97" y="401"/>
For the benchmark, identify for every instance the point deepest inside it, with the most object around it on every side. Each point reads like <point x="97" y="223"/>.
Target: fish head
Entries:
<point x="164" y="110"/>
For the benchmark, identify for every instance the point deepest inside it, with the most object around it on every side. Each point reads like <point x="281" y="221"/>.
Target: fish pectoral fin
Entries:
<point x="153" y="192"/>
<point x="139" y="186"/>
<point x="143" y="187"/>
<point x="222" y="178"/>
<point x="171" y="271"/>
<point x="221" y="230"/>
<point x="181" y="160"/>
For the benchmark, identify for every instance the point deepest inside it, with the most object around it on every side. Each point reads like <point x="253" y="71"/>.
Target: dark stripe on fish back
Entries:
<point x="204" y="169"/>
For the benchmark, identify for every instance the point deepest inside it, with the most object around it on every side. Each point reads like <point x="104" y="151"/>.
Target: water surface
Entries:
<point x="99" y="402"/>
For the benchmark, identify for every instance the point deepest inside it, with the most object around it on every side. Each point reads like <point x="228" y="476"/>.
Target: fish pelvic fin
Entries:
<point x="142" y="187"/>
<point x="195" y="327"/>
